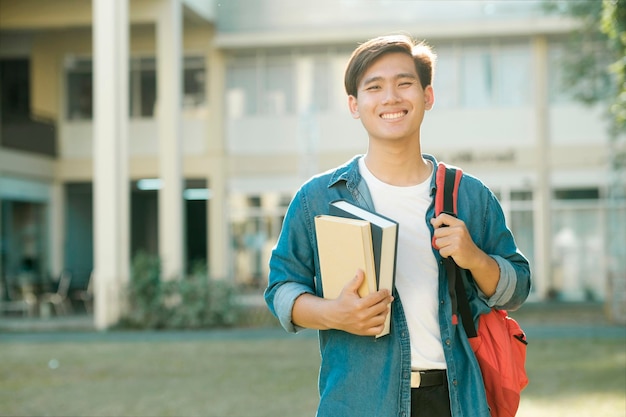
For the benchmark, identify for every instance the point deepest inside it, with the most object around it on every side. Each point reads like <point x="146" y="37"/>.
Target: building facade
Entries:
<point x="101" y="157"/>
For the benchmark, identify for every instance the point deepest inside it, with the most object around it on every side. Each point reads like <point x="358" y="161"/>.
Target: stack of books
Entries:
<point x="351" y="238"/>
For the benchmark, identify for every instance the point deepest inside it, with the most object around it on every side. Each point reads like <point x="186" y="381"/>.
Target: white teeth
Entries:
<point x="389" y="116"/>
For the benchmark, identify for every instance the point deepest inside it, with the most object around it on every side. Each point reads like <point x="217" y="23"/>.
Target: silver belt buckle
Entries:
<point x="416" y="379"/>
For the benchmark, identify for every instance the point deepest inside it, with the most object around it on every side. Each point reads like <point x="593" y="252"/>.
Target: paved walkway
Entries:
<point x="539" y="322"/>
<point x="532" y="332"/>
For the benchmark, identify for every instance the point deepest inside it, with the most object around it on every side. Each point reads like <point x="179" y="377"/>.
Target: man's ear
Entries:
<point x="429" y="97"/>
<point x="353" y="106"/>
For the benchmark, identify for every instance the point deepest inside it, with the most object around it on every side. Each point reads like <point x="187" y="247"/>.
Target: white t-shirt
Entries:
<point x="417" y="273"/>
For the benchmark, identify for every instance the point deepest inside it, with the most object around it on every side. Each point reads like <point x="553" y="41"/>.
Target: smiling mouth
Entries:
<point x="392" y="116"/>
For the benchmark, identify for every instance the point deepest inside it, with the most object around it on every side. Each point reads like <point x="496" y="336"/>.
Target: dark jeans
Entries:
<point x="430" y="401"/>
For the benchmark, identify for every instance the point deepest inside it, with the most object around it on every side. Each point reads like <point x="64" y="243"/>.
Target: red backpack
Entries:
<point x="497" y="340"/>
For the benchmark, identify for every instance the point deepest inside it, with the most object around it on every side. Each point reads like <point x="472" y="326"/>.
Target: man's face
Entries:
<point x="391" y="101"/>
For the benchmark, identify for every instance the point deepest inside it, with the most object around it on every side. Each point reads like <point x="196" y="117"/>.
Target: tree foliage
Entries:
<point x="613" y="24"/>
<point x="594" y="66"/>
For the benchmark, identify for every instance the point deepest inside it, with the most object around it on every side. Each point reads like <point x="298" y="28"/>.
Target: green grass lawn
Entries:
<point x="254" y="377"/>
<point x="575" y="377"/>
<point x="167" y="378"/>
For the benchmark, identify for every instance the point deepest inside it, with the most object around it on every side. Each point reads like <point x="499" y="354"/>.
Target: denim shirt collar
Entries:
<point x="350" y="174"/>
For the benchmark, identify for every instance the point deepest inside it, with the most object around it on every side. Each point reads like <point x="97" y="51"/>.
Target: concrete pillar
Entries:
<point x="219" y="246"/>
<point x="169" y="99"/>
<point x="57" y="229"/>
<point x="110" y="121"/>
<point x="543" y="190"/>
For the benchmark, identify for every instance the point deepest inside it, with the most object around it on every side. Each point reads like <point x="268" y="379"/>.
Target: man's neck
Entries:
<point x="402" y="169"/>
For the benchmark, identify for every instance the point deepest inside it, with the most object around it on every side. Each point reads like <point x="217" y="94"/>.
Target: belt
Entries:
<point x="428" y="378"/>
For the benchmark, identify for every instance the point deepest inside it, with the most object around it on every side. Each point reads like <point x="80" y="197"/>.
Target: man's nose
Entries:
<point x="391" y="96"/>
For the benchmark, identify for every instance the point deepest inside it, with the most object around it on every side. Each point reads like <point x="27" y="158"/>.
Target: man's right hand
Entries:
<point x="348" y="312"/>
<point x="362" y="316"/>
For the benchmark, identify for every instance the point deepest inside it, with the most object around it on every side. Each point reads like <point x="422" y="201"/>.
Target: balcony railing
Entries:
<point x="29" y="134"/>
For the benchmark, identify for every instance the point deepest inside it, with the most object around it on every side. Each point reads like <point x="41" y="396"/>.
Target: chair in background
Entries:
<point x="86" y="295"/>
<point x="59" y="299"/>
<point x="13" y="305"/>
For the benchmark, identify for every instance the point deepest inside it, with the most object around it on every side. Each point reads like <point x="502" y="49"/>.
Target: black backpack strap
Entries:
<point x="448" y="192"/>
<point x="463" y="303"/>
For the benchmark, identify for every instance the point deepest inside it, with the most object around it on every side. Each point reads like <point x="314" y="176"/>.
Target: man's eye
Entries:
<point x="406" y="83"/>
<point x="373" y="87"/>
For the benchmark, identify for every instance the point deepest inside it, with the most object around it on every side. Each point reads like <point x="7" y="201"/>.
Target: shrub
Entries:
<point x="191" y="302"/>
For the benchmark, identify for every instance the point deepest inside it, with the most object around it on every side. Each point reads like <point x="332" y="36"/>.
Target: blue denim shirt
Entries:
<point x="364" y="376"/>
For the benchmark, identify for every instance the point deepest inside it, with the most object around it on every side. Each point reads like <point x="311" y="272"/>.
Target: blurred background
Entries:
<point x="168" y="136"/>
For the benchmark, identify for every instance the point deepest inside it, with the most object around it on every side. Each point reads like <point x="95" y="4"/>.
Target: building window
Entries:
<point x="512" y="68"/>
<point x="255" y="223"/>
<point x="446" y="78"/>
<point x="578" y="253"/>
<point x="278" y="87"/>
<point x="566" y="83"/>
<point x="477" y="76"/>
<point x="321" y="84"/>
<point x="521" y="195"/>
<point x="79" y="88"/>
<point x="14" y="89"/>
<point x="242" y="88"/>
<point x="577" y="194"/>
<point x="194" y="82"/>
<point x="266" y="83"/>
<point x="486" y="75"/>
<point x="142" y="86"/>
<point x="557" y="94"/>
<point x="259" y="85"/>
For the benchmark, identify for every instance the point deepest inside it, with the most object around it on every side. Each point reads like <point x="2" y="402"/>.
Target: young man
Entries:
<point x="425" y="366"/>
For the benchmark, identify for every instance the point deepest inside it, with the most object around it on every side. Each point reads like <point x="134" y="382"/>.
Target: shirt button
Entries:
<point x="447" y="342"/>
<point x="455" y="383"/>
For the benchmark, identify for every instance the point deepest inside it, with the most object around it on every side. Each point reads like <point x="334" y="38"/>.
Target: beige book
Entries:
<point x="384" y="242"/>
<point x="344" y="245"/>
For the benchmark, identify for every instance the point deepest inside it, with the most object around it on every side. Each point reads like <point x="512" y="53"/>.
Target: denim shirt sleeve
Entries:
<point x="483" y="215"/>
<point x="284" y="299"/>
<point x="506" y="286"/>
<point x="292" y="267"/>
